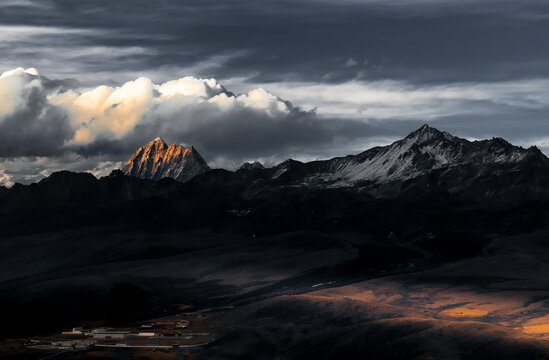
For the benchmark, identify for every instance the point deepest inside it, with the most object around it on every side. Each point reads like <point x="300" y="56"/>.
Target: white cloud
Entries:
<point x="190" y="86"/>
<point x="106" y="110"/>
<point x="10" y="92"/>
<point x="19" y="71"/>
<point x="113" y="112"/>
<point x="12" y="87"/>
<point x="261" y="99"/>
<point x="5" y="179"/>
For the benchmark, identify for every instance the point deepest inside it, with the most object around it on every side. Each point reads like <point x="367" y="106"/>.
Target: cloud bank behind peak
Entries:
<point x="43" y="119"/>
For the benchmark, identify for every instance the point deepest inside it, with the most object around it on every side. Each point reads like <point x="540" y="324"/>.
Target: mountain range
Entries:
<point x="427" y="162"/>
<point x="422" y="151"/>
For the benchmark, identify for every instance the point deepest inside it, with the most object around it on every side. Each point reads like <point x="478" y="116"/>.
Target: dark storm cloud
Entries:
<point x="241" y="133"/>
<point x="420" y="41"/>
<point x="60" y="85"/>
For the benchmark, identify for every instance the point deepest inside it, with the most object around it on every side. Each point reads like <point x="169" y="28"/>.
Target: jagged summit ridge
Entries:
<point x="427" y="133"/>
<point x="157" y="160"/>
<point x="422" y="151"/>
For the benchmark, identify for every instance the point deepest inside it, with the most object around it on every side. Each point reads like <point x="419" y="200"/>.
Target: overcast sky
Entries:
<point x="84" y="83"/>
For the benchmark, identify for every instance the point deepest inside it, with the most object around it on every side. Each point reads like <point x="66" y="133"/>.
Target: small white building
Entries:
<point x="147" y="333"/>
<point x="110" y="334"/>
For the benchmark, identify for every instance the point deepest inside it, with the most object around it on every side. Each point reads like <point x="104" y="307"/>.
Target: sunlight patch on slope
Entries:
<point x="464" y="312"/>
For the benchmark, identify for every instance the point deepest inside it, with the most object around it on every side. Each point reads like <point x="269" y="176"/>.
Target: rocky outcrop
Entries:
<point x="157" y="160"/>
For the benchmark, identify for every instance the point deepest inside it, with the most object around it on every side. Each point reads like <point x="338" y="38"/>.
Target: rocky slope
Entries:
<point x="157" y="160"/>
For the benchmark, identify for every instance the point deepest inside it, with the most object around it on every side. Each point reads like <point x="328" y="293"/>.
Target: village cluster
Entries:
<point x="157" y="334"/>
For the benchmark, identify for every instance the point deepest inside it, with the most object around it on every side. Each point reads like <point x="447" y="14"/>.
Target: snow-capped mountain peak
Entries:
<point x="422" y="151"/>
<point x="426" y="133"/>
